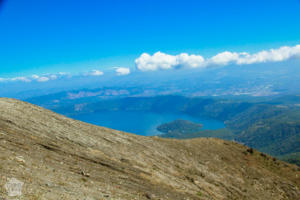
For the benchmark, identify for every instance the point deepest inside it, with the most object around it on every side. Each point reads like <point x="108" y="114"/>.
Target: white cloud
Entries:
<point x="21" y="78"/>
<point x="43" y="79"/>
<point x="47" y="77"/>
<point x="122" y="71"/>
<point x="95" y="73"/>
<point x="224" y="58"/>
<point x="53" y="77"/>
<point x="158" y="61"/>
<point x="63" y="74"/>
<point x="272" y="55"/>
<point x="190" y="61"/>
<point x="162" y="61"/>
<point x="35" y="76"/>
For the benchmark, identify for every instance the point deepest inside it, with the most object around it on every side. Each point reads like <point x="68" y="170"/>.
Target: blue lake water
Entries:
<point x="141" y="123"/>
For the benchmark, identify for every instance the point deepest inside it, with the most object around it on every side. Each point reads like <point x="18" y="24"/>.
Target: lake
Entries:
<point x="141" y="123"/>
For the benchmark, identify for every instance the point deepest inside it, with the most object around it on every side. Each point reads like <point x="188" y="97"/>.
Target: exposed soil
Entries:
<point x="55" y="157"/>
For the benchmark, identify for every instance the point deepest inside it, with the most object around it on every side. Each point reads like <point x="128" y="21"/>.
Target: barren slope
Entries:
<point x="59" y="158"/>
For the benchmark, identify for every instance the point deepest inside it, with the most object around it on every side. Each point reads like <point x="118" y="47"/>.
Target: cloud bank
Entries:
<point x="162" y="61"/>
<point x="37" y="78"/>
<point x="50" y="77"/>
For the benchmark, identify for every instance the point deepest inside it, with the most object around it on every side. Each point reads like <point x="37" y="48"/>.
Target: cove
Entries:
<point x="141" y="123"/>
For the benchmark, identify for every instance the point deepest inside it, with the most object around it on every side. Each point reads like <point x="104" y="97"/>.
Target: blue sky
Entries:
<point x="50" y="36"/>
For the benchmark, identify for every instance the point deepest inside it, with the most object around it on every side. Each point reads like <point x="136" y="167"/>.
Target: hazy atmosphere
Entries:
<point x="149" y="99"/>
<point x="50" y="46"/>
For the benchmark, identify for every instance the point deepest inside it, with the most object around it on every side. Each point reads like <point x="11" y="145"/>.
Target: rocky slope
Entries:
<point x="44" y="155"/>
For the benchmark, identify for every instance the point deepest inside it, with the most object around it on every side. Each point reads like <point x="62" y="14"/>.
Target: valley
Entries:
<point x="149" y="100"/>
<point x="269" y="125"/>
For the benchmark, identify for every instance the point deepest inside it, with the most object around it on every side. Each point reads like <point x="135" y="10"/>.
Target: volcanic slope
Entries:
<point x="44" y="155"/>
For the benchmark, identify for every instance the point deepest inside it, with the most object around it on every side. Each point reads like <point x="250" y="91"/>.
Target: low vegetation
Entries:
<point x="180" y="127"/>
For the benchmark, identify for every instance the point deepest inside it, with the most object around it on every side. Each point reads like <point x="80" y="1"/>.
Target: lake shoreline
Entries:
<point x="142" y="123"/>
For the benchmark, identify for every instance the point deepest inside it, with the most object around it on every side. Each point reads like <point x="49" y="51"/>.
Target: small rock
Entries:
<point x="148" y="196"/>
<point x="250" y="150"/>
<point x="14" y="187"/>
<point x="263" y="155"/>
<point x="49" y="184"/>
<point x="20" y="159"/>
<point x="83" y="173"/>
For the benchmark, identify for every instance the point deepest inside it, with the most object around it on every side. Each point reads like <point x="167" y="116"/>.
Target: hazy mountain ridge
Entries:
<point x="258" y="80"/>
<point x="56" y="157"/>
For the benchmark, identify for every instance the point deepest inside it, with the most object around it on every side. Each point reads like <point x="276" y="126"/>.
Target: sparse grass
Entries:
<point x="199" y="194"/>
<point x="35" y="196"/>
<point x="84" y="179"/>
<point x="61" y="183"/>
